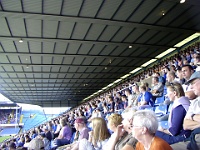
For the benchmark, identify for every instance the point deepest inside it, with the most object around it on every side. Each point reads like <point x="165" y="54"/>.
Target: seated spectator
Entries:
<point x="12" y="146"/>
<point x="136" y="94"/>
<point x="123" y="137"/>
<point x="36" y="144"/>
<point x="171" y="77"/>
<point x="179" y="75"/>
<point x="144" y="127"/>
<point x="192" y="121"/>
<point x="124" y="101"/>
<point x="113" y="121"/>
<point x="160" y="78"/>
<point x="175" y="133"/>
<point x="64" y="135"/>
<point x="197" y="61"/>
<point x="129" y="96"/>
<point x="187" y="71"/>
<point x="83" y="133"/>
<point x="21" y="142"/>
<point x="58" y="128"/>
<point x="47" y="143"/>
<point x="157" y="88"/>
<point x="97" y="137"/>
<point x="145" y="99"/>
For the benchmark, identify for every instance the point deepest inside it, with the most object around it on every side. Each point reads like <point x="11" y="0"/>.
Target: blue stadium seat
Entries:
<point x="163" y="124"/>
<point x="161" y="110"/>
<point x="159" y="100"/>
<point x="150" y="108"/>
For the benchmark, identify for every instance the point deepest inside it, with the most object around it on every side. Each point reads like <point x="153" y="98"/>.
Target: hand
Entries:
<point x="120" y="131"/>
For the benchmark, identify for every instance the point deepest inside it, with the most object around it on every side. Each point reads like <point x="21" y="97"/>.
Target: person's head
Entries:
<point x="145" y="123"/>
<point x="63" y="122"/>
<point x="171" y="76"/>
<point x="123" y="97"/>
<point x="194" y="81"/>
<point x="187" y="71"/>
<point x="196" y="58"/>
<point x="79" y="123"/>
<point x="36" y="144"/>
<point x="12" y="146"/>
<point x="175" y="90"/>
<point x="113" y="121"/>
<point x="100" y="130"/>
<point x="127" y="116"/>
<point x="142" y="88"/>
<point x="135" y="88"/>
<point x="155" y="80"/>
<point x="127" y="92"/>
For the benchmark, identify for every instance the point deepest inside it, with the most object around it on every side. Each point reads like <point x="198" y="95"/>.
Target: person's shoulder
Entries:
<point x="160" y="143"/>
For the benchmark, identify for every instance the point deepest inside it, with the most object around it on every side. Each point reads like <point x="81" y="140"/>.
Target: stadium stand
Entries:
<point x="36" y="120"/>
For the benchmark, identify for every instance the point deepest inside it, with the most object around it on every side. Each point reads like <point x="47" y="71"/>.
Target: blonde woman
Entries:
<point x="97" y="137"/>
<point x="175" y="133"/>
<point x="113" y="121"/>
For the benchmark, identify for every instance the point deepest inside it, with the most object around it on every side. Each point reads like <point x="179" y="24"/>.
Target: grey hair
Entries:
<point x="148" y="119"/>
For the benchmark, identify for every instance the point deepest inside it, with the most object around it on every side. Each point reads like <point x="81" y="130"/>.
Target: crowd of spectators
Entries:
<point x="119" y="119"/>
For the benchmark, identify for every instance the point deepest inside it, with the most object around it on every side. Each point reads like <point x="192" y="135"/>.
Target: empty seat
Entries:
<point x="161" y="110"/>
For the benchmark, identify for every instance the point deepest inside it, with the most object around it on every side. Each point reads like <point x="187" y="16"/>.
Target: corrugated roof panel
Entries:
<point x="121" y="34"/>
<point x="108" y="33"/>
<point x="48" y="47"/>
<point x="157" y="12"/>
<point x="11" y="5"/>
<point x="126" y="9"/>
<point x="65" y="30"/>
<point x="71" y="7"/>
<point x="50" y="29"/>
<point x="60" y="47"/>
<point x="34" y="6"/>
<point x="134" y="35"/>
<point x="35" y="47"/>
<point x="80" y="30"/>
<point x="8" y="46"/>
<point x="73" y="48"/>
<point x="17" y="27"/>
<point x="108" y="9"/>
<point x="34" y="27"/>
<point x="4" y="30"/>
<point x="22" y="47"/>
<point x="52" y="6"/>
<point x="85" y="48"/>
<point x="90" y="8"/>
<point x="95" y="31"/>
<point x="144" y="9"/>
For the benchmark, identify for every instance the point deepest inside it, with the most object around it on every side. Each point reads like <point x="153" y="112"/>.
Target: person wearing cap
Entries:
<point x="192" y="118"/>
<point x="82" y="132"/>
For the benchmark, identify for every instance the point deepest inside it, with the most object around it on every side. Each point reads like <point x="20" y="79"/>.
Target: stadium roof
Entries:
<point x="58" y="52"/>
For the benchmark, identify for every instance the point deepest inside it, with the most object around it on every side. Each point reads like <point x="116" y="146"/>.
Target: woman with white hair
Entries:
<point x="144" y="127"/>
